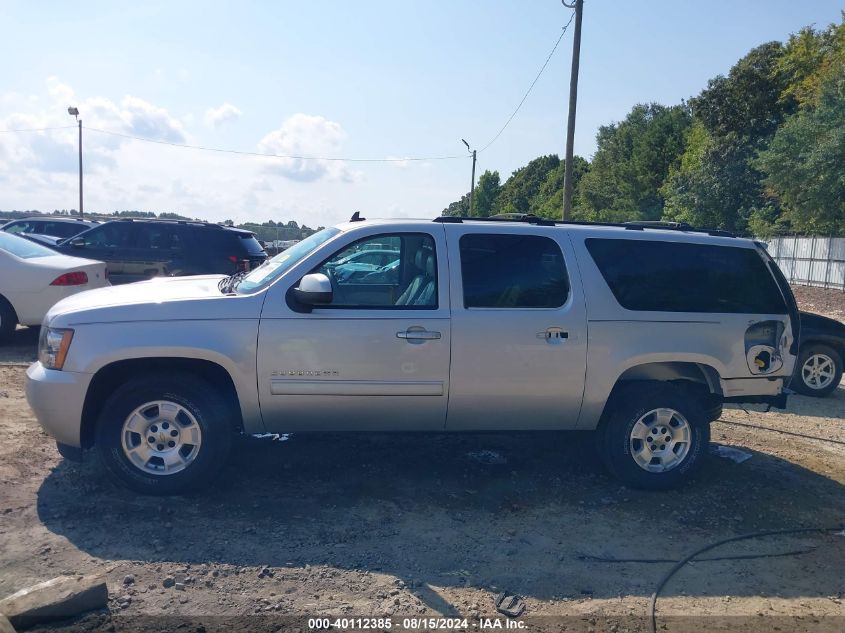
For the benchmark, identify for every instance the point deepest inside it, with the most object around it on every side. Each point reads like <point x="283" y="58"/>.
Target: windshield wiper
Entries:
<point x="227" y="285"/>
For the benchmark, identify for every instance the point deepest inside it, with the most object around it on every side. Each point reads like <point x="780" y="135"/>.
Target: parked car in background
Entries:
<point x="33" y="278"/>
<point x="138" y="249"/>
<point x="819" y="367"/>
<point x="57" y="226"/>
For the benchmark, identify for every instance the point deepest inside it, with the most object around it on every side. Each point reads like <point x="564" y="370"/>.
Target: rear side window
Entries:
<point x="160" y="237"/>
<point x="512" y="271"/>
<point x="676" y="277"/>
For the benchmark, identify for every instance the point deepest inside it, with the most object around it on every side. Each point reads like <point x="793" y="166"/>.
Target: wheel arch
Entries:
<point x="4" y="300"/>
<point x="838" y="345"/>
<point x="116" y="373"/>
<point x="703" y="380"/>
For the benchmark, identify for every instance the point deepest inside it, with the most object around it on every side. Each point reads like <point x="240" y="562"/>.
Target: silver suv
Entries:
<point x="637" y="332"/>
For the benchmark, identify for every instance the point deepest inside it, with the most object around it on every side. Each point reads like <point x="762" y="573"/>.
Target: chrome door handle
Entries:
<point x="553" y="335"/>
<point x="419" y="335"/>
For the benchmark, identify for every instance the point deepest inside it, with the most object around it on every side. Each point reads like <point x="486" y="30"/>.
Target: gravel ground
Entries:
<point x="417" y="525"/>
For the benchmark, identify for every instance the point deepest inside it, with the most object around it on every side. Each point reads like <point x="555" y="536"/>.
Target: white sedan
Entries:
<point x="33" y="278"/>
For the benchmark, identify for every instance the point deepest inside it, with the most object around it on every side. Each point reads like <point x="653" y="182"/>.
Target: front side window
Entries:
<point x="384" y="272"/>
<point x="512" y="271"/>
<point x="680" y="277"/>
<point x="113" y="235"/>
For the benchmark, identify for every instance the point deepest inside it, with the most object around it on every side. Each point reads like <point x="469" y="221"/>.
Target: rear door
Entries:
<point x="376" y="358"/>
<point x="158" y="249"/>
<point x="519" y="331"/>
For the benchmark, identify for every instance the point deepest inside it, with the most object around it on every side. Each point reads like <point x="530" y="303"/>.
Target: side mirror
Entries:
<point x="77" y="242"/>
<point x="314" y="289"/>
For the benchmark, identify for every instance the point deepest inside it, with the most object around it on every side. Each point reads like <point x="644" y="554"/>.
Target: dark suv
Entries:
<point x="49" y="225"/>
<point x="135" y="250"/>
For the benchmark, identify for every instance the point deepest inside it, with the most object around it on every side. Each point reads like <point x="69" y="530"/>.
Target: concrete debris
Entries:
<point x="61" y="597"/>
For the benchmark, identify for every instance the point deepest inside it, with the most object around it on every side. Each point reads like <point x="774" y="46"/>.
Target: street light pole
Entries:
<point x="75" y="112"/>
<point x="472" y="182"/>
<point x="573" y="100"/>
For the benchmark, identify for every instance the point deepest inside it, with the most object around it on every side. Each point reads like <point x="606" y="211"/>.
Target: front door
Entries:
<point x="109" y="243"/>
<point x="519" y="332"/>
<point x="377" y="357"/>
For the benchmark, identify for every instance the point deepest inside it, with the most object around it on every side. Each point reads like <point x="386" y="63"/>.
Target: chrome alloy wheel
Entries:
<point x="660" y="440"/>
<point x="161" y="437"/>
<point x="818" y="371"/>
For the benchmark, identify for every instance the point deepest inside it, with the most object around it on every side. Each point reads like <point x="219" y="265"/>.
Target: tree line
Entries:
<point x="760" y="152"/>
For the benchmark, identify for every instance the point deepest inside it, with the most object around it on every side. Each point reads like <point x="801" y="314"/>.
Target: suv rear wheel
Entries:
<point x="654" y="436"/>
<point x="164" y="435"/>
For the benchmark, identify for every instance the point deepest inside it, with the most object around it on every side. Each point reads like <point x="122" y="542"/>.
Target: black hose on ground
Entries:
<point x="707" y="548"/>
<point x="601" y="559"/>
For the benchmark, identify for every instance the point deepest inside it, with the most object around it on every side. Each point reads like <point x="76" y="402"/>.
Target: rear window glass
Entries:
<point x="512" y="271"/>
<point x="62" y="229"/>
<point x="677" y="277"/>
<point x="252" y="245"/>
<point x="236" y="241"/>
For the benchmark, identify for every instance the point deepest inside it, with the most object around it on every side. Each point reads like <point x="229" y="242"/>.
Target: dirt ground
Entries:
<point x="419" y="525"/>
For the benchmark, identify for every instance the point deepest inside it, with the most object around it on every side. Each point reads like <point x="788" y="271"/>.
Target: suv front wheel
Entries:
<point x="164" y="435"/>
<point x="654" y="436"/>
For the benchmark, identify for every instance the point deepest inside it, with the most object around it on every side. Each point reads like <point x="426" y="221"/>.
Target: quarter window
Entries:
<point x="512" y="271"/>
<point x="678" y="277"/>
<point x="384" y="272"/>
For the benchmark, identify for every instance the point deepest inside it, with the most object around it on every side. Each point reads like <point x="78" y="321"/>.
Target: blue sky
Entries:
<point x="343" y="79"/>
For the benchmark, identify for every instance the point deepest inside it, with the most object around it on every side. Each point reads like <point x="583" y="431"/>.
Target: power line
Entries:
<point x="269" y="155"/>
<point x="531" y="87"/>
<point x="40" y="129"/>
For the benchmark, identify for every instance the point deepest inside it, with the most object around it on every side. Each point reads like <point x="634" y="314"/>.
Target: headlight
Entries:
<point x="53" y="345"/>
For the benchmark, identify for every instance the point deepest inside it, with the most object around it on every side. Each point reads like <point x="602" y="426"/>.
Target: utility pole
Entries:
<point x="573" y="100"/>
<point x="472" y="182"/>
<point x="75" y="112"/>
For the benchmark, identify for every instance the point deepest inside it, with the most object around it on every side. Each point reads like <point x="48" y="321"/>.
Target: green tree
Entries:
<point x="459" y="207"/>
<point x="804" y="165"/>
<point x="548" y="203"/>
<point x="631" y="162"/>
<point x="485" y="195"/>
<point x="716" y="184"/>
<point x="518" y="192"/>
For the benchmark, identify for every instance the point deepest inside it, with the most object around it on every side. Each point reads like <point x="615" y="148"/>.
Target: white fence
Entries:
<point x="811" y="261"/>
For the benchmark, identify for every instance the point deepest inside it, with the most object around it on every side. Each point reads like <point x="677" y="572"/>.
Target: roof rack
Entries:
<point x="631" y="226"/>
<point x="213" y="225"/>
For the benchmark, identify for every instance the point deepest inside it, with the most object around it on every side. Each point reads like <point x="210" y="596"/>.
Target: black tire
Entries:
<point x="198" y="398"/>
<point x="808" y="351"/>
<point x="8" y="320"/>
<point x="632" y="402"/>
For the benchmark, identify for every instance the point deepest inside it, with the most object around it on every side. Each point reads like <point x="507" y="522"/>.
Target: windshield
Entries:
<point x="273" y="268"/>
<point x="23" y="248"/>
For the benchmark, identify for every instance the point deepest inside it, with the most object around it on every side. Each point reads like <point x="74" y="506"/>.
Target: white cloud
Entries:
<point x="59" y="91"/>
<point x="215" y="117"/>
<point x="307" y="141"/>
<point x="144" y="119"/>
<point x="38" y="170"/>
